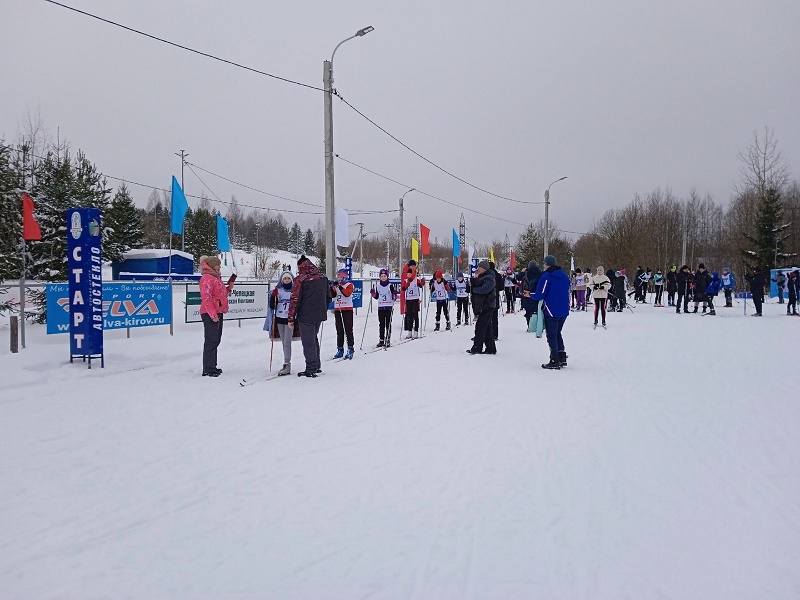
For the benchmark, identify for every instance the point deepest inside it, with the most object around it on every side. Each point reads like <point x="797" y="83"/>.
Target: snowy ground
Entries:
<point x="662" y="463"/>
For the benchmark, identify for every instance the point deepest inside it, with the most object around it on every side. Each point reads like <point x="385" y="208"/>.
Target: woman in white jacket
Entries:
<point x="600" y="286"/>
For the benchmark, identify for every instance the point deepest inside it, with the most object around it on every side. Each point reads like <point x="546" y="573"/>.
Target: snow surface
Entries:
<point x="662" y="463"/>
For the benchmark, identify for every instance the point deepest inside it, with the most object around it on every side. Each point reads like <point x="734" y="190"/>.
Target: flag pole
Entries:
<point x="169" y="263"/>
<point x="22" y="293"/>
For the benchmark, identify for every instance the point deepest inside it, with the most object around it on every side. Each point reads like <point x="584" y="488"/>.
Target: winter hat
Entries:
<point x="550" y="260"/>
<point x="623" y="272"/>
<point x="412" y="263"/>
<point x="600" y="270"/>
<point x="460" y="274"/>
<point x="211" y="261"/>
<point x="714" y="275"/>
<point x="618" y="274"/>
<point x="533" y="265"/>
<point x="284" y="274"/>
<point x="484" y="264"/>
<point x="437" y="274"/>
<point x="301" y="260"/>
<point x="384" y="272"/>
<point x="509" y="270"/>
<point x="701" y="266"/>
<point x="342" y="272"/>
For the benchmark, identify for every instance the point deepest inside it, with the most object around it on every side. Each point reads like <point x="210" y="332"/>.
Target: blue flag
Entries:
<point x="179" y="207"/>
<point x="223" y="241"/>
<point x="456" y="245"/>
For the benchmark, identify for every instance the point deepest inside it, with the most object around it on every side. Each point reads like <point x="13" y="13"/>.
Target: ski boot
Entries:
<point x="339" y="353"/>
<point x="447" y="327"/>
<point x="604" y="326"/>
<point x="695" y="311"/>
<point x="595" y="326"/>
<point x="712" y="313"/>
<point x="380" y="344"/>
<point x="562" y="358"/>
<point x="307" y="374"/>
<point x="437" y="326"/>
<point x="458" y="322"/>
<point x="285" y="370"/>
<point x="704" y="310"/>
<point x="350" y="352"/>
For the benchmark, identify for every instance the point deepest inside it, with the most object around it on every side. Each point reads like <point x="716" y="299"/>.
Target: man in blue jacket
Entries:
<point x="553" y="290"/>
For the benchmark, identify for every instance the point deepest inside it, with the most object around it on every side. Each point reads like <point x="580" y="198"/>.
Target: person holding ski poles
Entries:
<point x="600" y="288"/>
<point x="728" y="286"/>
<point x="279" y="301"/>
<point x="342" y="292"/>
<point x="672" y="285"/>
<point x="462" y="299"/>
<point x="682" y="281"/>
<point x="411" y="286"/>
<point x="509" y="288"/>
<point x="440" y="290"/>
<point x="385" y="293"/>
<point x="711" y="292"/>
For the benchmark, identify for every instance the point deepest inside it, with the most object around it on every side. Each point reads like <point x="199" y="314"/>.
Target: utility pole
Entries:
<point x="361" y="248"/>
<point x="401" y="242"/>
<point x="183" y="156"/>
<point x="685" y="226"/>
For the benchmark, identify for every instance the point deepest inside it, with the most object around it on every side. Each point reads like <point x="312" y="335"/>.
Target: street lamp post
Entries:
<point x="402" y="232"/>
<point x="330" y="217"/>
<point x="547" y="216"/>
<point x="388" y="238"/>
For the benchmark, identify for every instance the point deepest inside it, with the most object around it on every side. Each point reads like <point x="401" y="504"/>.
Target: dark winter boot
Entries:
<point x="712" y="312"/>
<point x="695" y="310"/>
<point x="458" y="322"/>
<point x="554" y="364"/>
<point x="447" y="327"/>
<point x="339" y="353"/>
<point x="562" y="358"/>
<point x="306" y="374"/>
<point x="704" y="310"/>
<point x="437" y="326"/>
<point x="380" y="344"/>
<point x="678" y="310"/>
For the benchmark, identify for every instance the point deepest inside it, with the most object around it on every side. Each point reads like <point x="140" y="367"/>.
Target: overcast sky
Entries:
<point x="620" y="96"/>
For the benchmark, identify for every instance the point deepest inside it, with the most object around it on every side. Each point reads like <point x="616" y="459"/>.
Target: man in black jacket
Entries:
<point x="484" y="305"/>
<point x="682" y="280"/>
<point x="672" y="285"/>
<point x="701" y="281"/>
<point x="498" y="287"/>
<point x="308" y="307"/>
<point x="756" y="281"/>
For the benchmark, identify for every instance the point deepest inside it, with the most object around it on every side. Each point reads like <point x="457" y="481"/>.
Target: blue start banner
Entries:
<point x="473" y="267"/>
<point x="85" y="281"/>
<point x="124" y="305"/>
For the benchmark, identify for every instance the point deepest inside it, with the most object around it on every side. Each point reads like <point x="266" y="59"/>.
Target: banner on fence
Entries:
<point x="124" y="305"/>
<point x="246" y="301"/>
<point x="358" y="294"/>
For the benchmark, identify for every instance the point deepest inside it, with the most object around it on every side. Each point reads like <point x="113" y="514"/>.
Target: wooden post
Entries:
<point x="14" y="334"/>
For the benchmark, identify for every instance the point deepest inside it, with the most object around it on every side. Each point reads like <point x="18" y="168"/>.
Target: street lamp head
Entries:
<point x="365" y="31"/>
<point x="562" y="179"/>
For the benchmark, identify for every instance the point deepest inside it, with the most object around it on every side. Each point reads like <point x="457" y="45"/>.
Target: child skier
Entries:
<point x="510" y="288"/>
<point x="728" y="286"/>
<point x="658" y="282"/>
<point x="600" y="288"/>
<point x="462" y="299"/>
<point x="712" y="290"/>
<point x="411" y="284"/>
<point x="342" y="292"/>
<point x="279" y="302"/>
<point x="580" y="290"/>
<point x="441" y="294"/>
<point x="385" y="293"/>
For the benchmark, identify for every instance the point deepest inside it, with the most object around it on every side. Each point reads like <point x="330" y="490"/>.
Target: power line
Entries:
<point x="284" y="79"/>
<point x="477" y="212"/>
<point x="182" y="47"/>
<point x="430" y="162"/>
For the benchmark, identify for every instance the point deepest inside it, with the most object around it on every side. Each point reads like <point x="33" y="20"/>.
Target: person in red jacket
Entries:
<point x="213" y="304"/>
<point x="411" y="286"/>
<point x="342" y="292"/>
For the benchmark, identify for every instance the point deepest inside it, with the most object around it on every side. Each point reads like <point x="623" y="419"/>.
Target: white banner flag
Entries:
<point x="342" y="227"/>
<point x="471" y="252"/>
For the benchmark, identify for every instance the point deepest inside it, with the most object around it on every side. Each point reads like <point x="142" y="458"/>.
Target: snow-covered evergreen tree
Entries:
<point x="10" y="216"/>
<point x="122" y="224"/>
<point x="767" y="241"/>
<point x="201" y="232"/>
<point x="309" y="243"/>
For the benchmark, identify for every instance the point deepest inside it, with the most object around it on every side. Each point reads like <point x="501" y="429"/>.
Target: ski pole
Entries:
<point x="369" y="310"/>
<point x="272" y="339"/>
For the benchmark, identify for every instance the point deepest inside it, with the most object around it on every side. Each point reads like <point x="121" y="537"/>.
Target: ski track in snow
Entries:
<point x="661" y="463"/>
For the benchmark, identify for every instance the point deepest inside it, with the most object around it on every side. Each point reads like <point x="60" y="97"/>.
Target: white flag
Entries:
<point x="471" y="252"/>
<point x="572" y="264"/>
<point x="342" y="227"/>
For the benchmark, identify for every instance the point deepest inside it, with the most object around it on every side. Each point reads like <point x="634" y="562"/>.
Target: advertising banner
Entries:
<point x="124" y="305"/>
<point x="246" y="301"/>
<point x="85" y="282"/>
<point x="473" y="267"/>
<point x="358" y="294"/>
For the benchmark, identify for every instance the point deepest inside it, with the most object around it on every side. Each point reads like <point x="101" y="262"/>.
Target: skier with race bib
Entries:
<point x="279" y="301"/>
<point x="411" y="286"/>
<point x="342" y="291"/>
<point x="385" y="293"/>
<point x="462" y="299"/>
<point x="440" y="290"/>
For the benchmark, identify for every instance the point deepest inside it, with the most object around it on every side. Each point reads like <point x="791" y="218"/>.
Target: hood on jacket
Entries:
<point x="308" y="268"/>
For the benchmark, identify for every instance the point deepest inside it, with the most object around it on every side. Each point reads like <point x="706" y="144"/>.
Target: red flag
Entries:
<point x="30" y="228"/>
<point x="513" y="262"/>
<point x="424" y="234"/>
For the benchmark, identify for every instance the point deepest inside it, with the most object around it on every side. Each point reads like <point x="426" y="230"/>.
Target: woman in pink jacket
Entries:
<point x="213" y="304"/>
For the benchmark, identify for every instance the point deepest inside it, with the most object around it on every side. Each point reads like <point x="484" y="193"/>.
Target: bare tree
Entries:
<point x="763" y="165"/>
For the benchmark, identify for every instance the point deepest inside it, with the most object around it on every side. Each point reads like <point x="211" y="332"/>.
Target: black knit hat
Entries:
<point x="301" y="260"/>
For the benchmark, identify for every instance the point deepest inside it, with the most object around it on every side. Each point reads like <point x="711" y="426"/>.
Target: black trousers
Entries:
<point x="659" y="293"/>
<point x="440" y="308"/>
<point x="758" y="300"/>
<point x="344" y="326"/>
<point x="310" y="341"/>
<point x="670" y="297"/>
<point x="728" y="297"/>
<point x="496" y="322"/>
<point x="412" y="315"/>
<point x="212" y="335"/>
<point x="385" y="323"/>
<point x="600" y="306"/>
<point x="710" y="301"/>
<point x="483" y="332"/>
<point x="462" y="304"/>
<point x="791" y="307"/>
<point x="683" y="297"/>
<point x="510" y="300"/>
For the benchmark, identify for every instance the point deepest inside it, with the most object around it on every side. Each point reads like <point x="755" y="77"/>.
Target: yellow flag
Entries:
<point x="414" y="249"/>
<point x="491" y="254"/>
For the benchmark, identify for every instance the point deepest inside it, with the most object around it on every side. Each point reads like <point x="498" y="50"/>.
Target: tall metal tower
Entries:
<point x="462" y="232"/>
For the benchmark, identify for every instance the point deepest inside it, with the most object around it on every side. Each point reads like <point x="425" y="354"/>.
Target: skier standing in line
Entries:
<point x="711" y="292"/>
<point x="529" y="282"/>
<point x="638" y="296"/>
<point x="441" y="294"/>
<point x="279" y="300"/>
<point x="658" y="283"/>
<point x="600" y="287"/>
<point x="672" y="285"/>
<point x="462" y="299"/>
<point x="612" y="301"/>
<point x="509" y="288"/>
<point x="757" y="281"/>
<point x="701" y="281"/>
<point x="385" y="293"/>
<point x="553" y="290"/>
<point x="411" y="286"/>
<point x="580" y="290"/>
<point x="484" y="304"/>
<point x="342" y="291"/>
<point x="619" y="290"/>
<point x="728" y="286"/>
